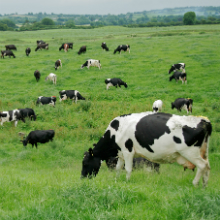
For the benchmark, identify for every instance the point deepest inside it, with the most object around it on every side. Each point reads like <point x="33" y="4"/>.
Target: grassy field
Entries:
<point x="45" y="183"/>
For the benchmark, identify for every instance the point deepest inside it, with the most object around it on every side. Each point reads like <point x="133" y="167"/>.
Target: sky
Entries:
<point x="95" y="6"/>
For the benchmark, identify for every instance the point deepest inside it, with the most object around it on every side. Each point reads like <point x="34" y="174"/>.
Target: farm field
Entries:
<point x="45" y="183"/>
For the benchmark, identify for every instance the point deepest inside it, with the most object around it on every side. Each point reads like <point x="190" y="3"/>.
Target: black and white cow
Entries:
<point x="58" y="64"/>
<point x="42" y="46"/>
<point x="179" y="76"/>
<point x="115" y="82"/>
<point x="7" y="53"/>
<point x="37" y="75"/>
<point x="157" y="106"/>
<point x="71" y="94"/>
<point x="104" y="46"/>
<point x="10" y="47"/>
<point x="62" y="46"/>
<point x="182" y="103"/>
<point x="158" y="137"/>
<point x="82" y="50"/>
<point x="178" y="66"/>
<point x="91" y="62"/>
<point x="39" y="136"/>
<point x="46" y="100"/>
<point x="28" y="51"/>
<point x="122" y="47"/>
<point x="28" y="113"/>
<point x="12" y="115"/>
<point x="40" y="42"/>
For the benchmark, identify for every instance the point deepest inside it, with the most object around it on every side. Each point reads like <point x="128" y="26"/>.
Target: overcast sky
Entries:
<point x="95" y="6"/>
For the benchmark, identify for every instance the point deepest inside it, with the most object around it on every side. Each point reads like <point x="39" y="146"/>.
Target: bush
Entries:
<point x="189" y="18"/>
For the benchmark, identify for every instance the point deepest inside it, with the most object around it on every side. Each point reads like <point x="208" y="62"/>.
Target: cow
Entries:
<point x="28" y="51"/>
<point x="158" y="137"/>
<point x="52" y="77"/>
<point x="39" y="136"/>
<point x="46" y="100"/>
<point x="10" y="47"/>
<point x="182" y="103"/>
<point x="40" y="42"/>
<point x="37" y="75"/>
<point x="122" y="47"/>
<point x="115" y="82"/>
<point x="91" y="62"/>
<point x="104" y="46"/>
<point x="12" y="115"/>
<point x="179" y="76"/>
<point x="71" y="94"/>
<point x="7" y="53"/>
<point x="138" y="162"/>
<point x="66" y="47"/>
<point x="42" y="46"/>
<point x="157" y="106"/>
<point x="28" y="113"/>
<point x="178" y="66"/>
<point x="82" y="50"/>
<point x="58" y="64"/>
<point x="62" y="46"/>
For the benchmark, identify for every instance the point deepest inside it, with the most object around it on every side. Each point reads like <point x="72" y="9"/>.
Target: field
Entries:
<point x="45" y="183"/>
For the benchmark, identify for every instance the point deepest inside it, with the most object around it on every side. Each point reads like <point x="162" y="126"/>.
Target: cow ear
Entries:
<point x="91" y="152"/>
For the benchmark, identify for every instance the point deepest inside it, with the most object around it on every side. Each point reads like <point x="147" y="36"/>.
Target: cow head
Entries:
<point x="90" y="164"/>
<point x="171" y="69"/>
<point x="25" y="142"/>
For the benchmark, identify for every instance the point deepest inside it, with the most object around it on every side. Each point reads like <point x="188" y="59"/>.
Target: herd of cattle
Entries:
<point x="158" y="137"/>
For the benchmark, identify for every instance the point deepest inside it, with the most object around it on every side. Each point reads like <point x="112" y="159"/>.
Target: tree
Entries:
<point x="189" y="18"/>
<point x="47" y="21"/>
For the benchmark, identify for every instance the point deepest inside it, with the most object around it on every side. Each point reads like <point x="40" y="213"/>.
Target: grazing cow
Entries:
<point x="179" y="76"/>
<point x="13" y="115"/>
<point x="137" y="163"/>
<point x="66" y="47"/>
<point x="28" y="51"/>
<point x="62" y="46"/>
<point x="115" y="82"/>
<point x="91" y="62"/>
<point x="159" y="137"/>
<point x="122" y="47"/>
<point x="58" y="64"/>
<point x="72" y="94"/>
<point x="7" y="53"/>
<point x="52" y="77"/>
<point x="46" y="100"/>
<point x="40" y="42"/>
<point x="82" y="50"/>
<point x="178" y="66"/>
<point x="39" y="136"/>
<point x="42" y="46"/>
<point x="28" y="113"/>
<point x="182" y="103"/>
<point x="104" y="46"/>
<point x="157" y="106"/>
<point x="10" y="47"/>
<point x="37" y="75"/>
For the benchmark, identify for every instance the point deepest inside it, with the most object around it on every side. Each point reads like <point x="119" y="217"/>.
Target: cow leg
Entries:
<point x="76" y="100"/>
<point x="16" y="122"/>
<point x="202" y="165"/>
<point x="128" y="163"/>
<point x="36" y="145"/>
<point x="119" y="165"/>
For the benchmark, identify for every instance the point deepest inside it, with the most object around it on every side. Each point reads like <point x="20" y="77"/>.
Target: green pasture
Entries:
<point x="45" y="183"/>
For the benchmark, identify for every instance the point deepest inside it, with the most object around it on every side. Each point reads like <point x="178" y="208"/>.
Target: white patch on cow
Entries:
<point x="64" y="97"/>
<point x="108" y="85"/>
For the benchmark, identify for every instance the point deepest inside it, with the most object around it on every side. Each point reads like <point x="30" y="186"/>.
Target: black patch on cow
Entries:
<point x="106" y="147"/>
<point x="10" y="115"/>
<point x="125" y="115"/>
<point x="151" y="127"/>
<point x="129" y="144"/>
<point x="177" y="140"/>
<point x="115" y="124"/>
<point x="196" y="136"/>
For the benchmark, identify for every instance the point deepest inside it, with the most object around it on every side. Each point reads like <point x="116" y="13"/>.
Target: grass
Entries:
<point x="45" y="183"/>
